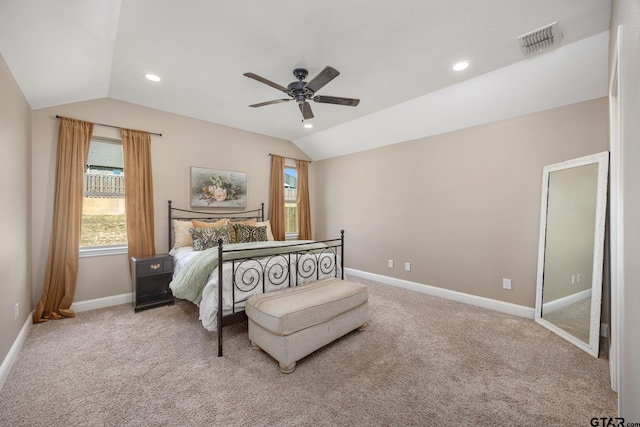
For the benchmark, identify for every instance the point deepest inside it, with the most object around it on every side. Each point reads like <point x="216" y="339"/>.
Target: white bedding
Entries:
<point x="209" y="303"/>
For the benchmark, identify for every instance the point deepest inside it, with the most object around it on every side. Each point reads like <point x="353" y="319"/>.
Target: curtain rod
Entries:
<point x="302" y="160"/>
<point x="112" y="126"/>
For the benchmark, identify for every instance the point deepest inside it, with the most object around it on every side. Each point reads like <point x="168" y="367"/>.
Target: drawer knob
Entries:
<point x="154" y="266"/>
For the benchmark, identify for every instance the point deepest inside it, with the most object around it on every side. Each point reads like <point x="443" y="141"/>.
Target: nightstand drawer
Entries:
<point x="153" y="266"/>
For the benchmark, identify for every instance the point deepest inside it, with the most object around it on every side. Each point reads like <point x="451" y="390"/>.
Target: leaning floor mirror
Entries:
<point x="571" y="249"/>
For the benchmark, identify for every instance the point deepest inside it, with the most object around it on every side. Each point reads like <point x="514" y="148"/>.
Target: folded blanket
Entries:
<point x="189" y="282"/>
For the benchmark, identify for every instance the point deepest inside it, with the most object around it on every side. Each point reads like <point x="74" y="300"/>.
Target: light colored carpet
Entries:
<point x="574" y="319"/>
<point x="423" y="361"/>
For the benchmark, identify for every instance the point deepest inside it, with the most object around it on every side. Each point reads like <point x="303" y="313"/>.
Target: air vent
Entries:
<point x="540" y="39"/>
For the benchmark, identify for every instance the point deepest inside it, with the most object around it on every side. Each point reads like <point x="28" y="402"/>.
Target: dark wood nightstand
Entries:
<point x="151" y="278"/>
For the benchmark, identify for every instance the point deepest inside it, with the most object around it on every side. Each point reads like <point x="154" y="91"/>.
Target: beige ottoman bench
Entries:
<point x="292" y="323"/>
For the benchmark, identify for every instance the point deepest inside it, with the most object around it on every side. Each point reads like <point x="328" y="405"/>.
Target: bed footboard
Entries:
<point x="288" y="265"/>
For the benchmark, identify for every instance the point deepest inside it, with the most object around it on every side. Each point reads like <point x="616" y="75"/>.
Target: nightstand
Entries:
<point x="151" y="278"/>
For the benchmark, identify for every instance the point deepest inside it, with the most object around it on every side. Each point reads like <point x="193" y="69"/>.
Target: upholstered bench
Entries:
<point x="292" y="323"/>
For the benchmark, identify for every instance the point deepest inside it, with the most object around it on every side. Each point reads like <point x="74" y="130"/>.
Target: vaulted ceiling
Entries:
<point x="395" y="56"/>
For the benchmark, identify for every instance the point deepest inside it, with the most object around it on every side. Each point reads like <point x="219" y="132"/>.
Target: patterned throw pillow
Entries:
<point x="206" y="238"/>
<point x="267" y="224"/>
<point x="247" y="233"/>
<point x="251" y="222"/>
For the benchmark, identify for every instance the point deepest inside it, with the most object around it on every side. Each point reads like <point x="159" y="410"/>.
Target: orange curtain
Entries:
<point x="304" y="210"/>
<point x="138" y="192"/>
<point x="61" y="270"/>
<point x="276" y="203"/>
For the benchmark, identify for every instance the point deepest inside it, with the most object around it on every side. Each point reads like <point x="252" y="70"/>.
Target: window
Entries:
<point x="104" y="229"/>
<point x="290" y="201"/>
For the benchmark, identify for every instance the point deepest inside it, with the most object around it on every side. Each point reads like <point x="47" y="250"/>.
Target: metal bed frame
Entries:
<point x="250" y="271"/>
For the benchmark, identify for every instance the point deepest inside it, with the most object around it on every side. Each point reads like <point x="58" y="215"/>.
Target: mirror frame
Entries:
<point x="602" y="159"/>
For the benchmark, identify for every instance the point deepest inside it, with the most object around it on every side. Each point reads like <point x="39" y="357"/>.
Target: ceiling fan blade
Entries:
<point x="275" y="101"/>
<point x="324" y="77"/>
<point x="305" y="108"/>
<point x="267" y="82"/>
<point x="336" y="100"/>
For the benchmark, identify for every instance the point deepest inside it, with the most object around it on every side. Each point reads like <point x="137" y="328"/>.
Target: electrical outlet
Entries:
<point x="16" y="311"/>
<point x="573" y="279"/>
<point x="407" y="266"/>
<point x="390" y="263"/>
<point x="578" y="277"/>
<point x="506" y="283"/>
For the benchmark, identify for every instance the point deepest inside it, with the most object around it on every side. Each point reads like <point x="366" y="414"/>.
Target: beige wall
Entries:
<point x="185" y="142"/>
<point x="627" y="14"/>
<point x="15" y="278"/>
<point x="463" y="207"/>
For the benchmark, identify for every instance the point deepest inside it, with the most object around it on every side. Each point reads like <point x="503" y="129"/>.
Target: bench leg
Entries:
<point x="255" y="346"/>
<point x="287" y="369"/>
<point x="363" y="326"/>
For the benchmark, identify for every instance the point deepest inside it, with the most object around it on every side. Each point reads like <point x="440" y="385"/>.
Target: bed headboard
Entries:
<point x="188" y="215"/>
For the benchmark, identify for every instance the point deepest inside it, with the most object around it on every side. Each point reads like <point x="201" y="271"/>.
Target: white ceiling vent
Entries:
<point x="542" y="38"/>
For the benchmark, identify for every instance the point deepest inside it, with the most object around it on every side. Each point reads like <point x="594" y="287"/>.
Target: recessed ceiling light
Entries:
<point x="152" y="77"/>
<point x="308" y="125"/>
<point x="459" y="66"/>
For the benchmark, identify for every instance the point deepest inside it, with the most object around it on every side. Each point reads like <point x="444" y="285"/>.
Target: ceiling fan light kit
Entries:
<point x="301" y="91"/>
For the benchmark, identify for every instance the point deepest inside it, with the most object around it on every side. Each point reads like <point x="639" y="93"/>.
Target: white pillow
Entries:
<point x="268" y="224"/>
<point x="181" y="235"/>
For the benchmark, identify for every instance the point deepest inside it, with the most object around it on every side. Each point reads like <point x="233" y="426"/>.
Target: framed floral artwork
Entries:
<point x="218" y="188"/>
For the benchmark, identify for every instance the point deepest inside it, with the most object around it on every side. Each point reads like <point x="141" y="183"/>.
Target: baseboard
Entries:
<point x="104" y="302"/>
<point x="492" y="304"/>
<point x="5" y="368"/>
<point x="552" y="306"/>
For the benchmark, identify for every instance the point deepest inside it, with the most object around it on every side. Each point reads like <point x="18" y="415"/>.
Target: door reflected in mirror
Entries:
<point x="571" y="249"/>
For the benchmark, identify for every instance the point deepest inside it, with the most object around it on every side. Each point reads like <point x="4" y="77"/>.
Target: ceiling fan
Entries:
<point x="301" y="91"/>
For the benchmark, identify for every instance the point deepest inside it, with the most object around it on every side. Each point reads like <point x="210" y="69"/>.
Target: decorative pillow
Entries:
<point x="269" y="232"/>
<point x="247" y="233"/>
<point x="181" y="235"/>
<point x="207" y="224"/>
<point x="206" y="238"/>
<point x="251" y="222"/>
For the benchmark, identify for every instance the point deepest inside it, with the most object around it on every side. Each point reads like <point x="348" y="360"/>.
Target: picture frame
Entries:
<point x="215" y="188"/>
